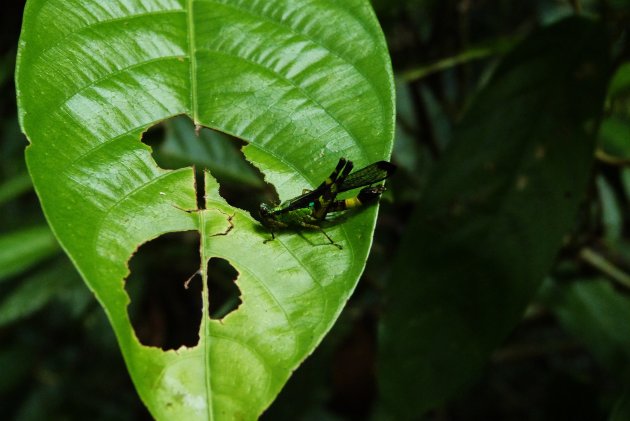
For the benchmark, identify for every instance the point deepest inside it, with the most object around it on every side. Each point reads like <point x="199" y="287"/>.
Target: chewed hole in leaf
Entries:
<point x="177" y="143"/>
<point x="225" y="295"/>
<point x="165" y="310"/>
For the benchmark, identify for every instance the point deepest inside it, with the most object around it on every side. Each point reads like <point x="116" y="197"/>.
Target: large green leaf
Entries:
<point x="22" y="249"/>
<point x="14" y="187"/>
<point x="35" y="291"/>
<point x="494" y="215"/>
<point x="597" y="315"/>
<point x="302" y="82"/>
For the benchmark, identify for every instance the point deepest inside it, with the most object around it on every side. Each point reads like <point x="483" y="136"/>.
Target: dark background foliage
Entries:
<point x="568" y="358"/>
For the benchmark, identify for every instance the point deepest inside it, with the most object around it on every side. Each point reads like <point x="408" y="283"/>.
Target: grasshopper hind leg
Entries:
<point x="320" y="229"/>
<point x="332" y="242"/>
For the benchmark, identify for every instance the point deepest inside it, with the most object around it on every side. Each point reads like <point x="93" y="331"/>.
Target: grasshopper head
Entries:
<point x="265" y="213"/>
<point x="371" y="194"/>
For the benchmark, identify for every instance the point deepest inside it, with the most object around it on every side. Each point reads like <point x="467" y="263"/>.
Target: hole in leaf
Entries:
<point x="163" y="312"/>
<point x="177" y="144"/>
<point x="225" y="296"/>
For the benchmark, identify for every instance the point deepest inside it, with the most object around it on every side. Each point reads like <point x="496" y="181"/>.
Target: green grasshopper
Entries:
<point x="309" y="209"/>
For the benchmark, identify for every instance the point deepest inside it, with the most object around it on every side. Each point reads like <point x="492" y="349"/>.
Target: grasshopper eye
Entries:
<point x="264" y="210"/>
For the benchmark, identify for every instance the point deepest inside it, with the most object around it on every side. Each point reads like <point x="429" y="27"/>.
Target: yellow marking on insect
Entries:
<point x="329" y="181"/>
<point x="353" y="202"/>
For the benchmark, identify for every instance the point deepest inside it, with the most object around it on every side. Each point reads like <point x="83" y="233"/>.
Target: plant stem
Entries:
<point x="473" y="53"/>
<point x="600" y="263"/>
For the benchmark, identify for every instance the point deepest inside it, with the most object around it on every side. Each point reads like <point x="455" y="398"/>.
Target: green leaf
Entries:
<point x="493" y="216"/>
<point x="597" y="315"/>
<point x="615" y="128"/>
<point x="302" y="82"/>
<point x="620" y="83"/>
<point x="611" y="213"/>
<point x="614" y="134"/>
<point x="34" y="292"/>
<point x="14" y="187"/>
<point x="23" y="249"/>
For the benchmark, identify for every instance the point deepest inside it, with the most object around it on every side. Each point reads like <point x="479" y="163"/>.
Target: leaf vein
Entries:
<point x="301" y="89"/>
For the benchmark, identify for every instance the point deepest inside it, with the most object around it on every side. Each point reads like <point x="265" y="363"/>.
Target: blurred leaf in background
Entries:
<point x="494" y="215"/>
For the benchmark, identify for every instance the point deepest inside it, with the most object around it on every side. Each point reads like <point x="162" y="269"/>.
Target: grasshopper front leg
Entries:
<point x="273" y="237"/>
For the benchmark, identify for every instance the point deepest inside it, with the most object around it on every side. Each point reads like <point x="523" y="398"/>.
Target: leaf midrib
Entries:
<point x="193" y="62"/>
<point x="206" y="305"/>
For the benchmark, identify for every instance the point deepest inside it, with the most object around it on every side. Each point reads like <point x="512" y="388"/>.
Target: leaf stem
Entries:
<point x="466" y="56"/>
<point x="606" y="158"/>
<point x="600" y="263"/>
